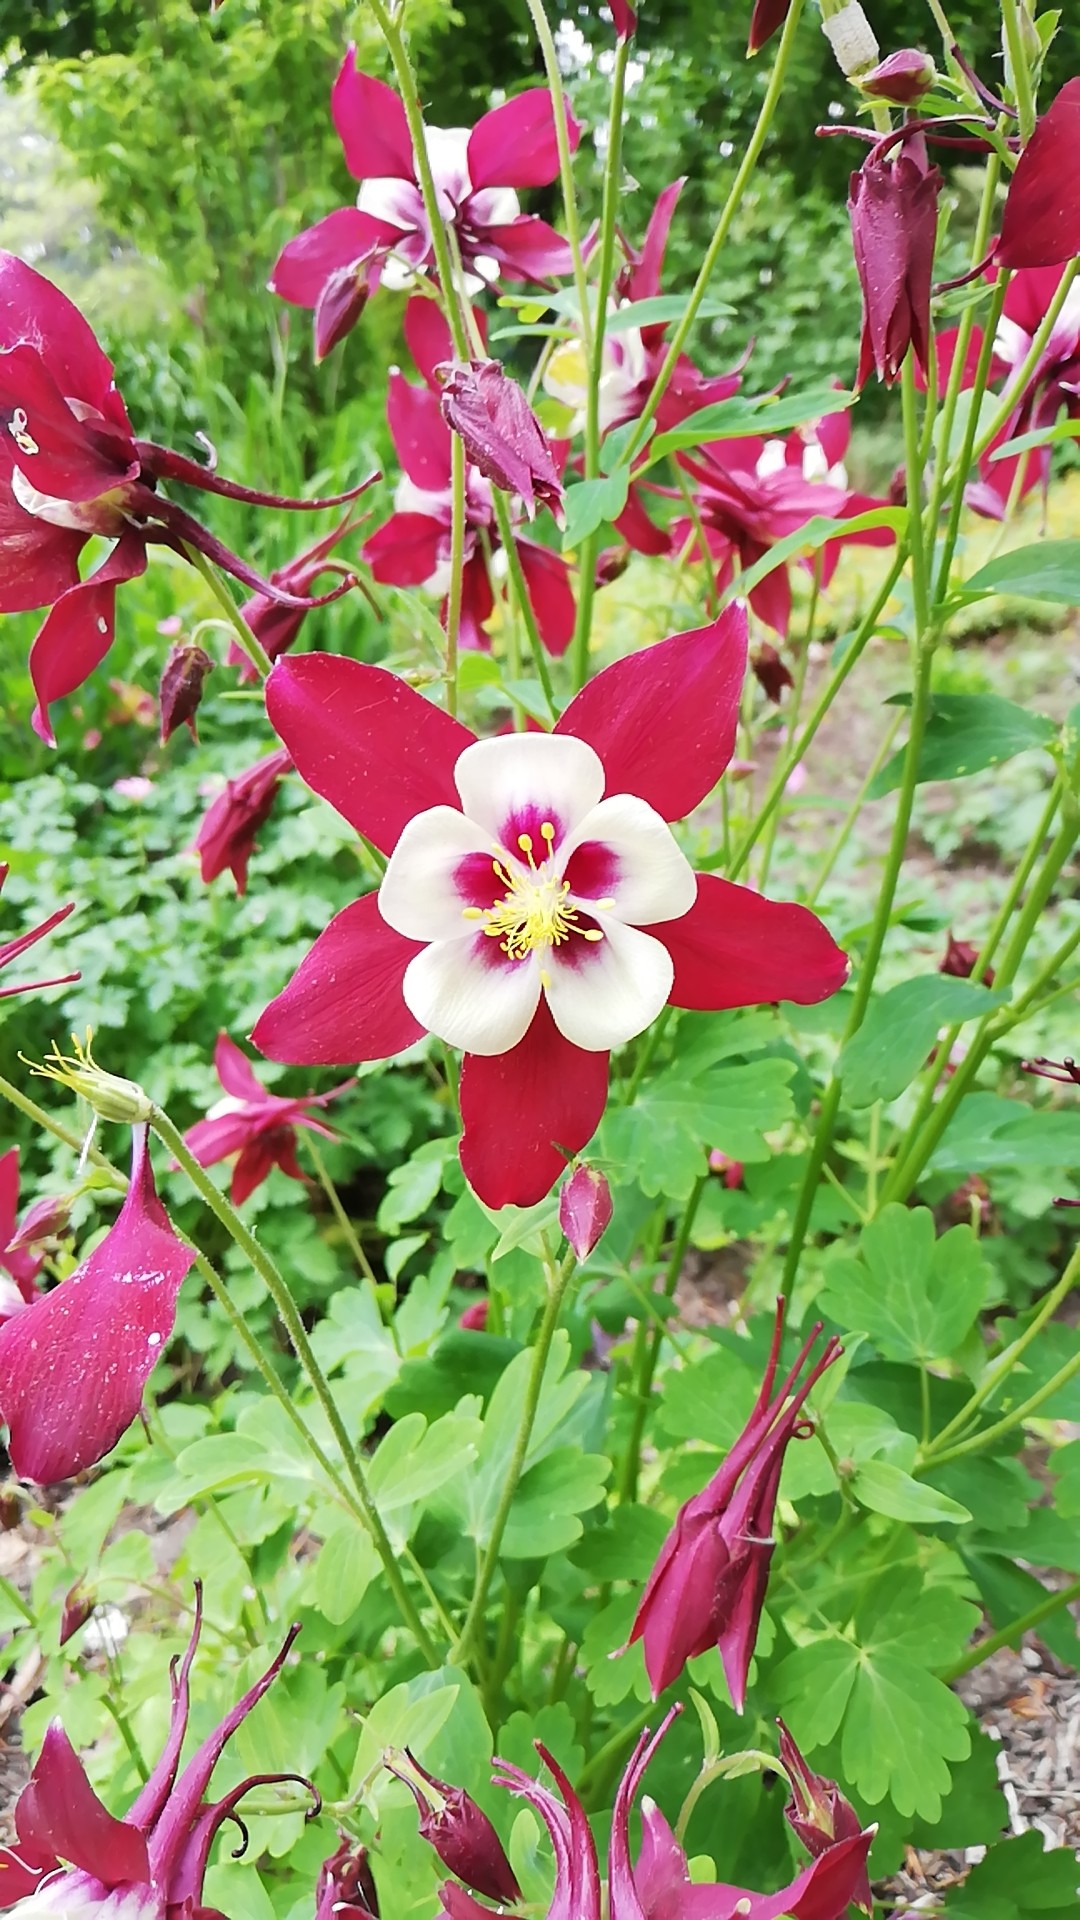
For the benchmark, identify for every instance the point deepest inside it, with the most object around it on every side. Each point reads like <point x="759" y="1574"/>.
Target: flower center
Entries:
<point x="536" y="909"/>
<point x="18" y="427"/>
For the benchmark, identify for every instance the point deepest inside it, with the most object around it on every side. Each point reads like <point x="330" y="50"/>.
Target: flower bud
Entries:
<point x="460" y="1832"/>
<point x="345" y="1889"/>
<point x="78" y="1606"/>
<point x="502" y="434"/>
<point x="111" y="1097"/>
<point x="902" y="79"/>
<point x="959" y="961"/>
<point x="893" y="208"/>
<point x="819" y="1814"/>
<point x="181" y="688"/>
<point x="474" y="1318"/>
<point x="852" y="40"/>
<point x="731" y="1171"/>
<point x="624" y="18"/>
<point x="770" y="672"/>
<point x="584" y="1209"/>
<point x="47" y="1219"/>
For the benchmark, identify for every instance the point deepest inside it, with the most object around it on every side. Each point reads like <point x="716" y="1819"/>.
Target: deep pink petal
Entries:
<point x="235" y="1071"/>
<point x="663" y="721"/>
<point x="9" y="1196"/>
<point x="344" y="239"/>
<point x="372" y="746"/>
<point x="427" y="335"/>
<point x="736" y="949"/>
<point x="38" y="562"/>
<point x="78" y="632"/>
<point x="638" y="529"/>
<point x="643" y="279"/>
<point x="771" y="598"/>
<point x="371" y="125"/>
<point x="515" y="146"/>
<point x="58" y="453"/>
<point x="35" y="313"/>
<point x="822" y="1891"/>
<point x="59" y="1813"/>
<point x="527" y="248"/>
<point x="477" y="604"/>
<point x="213" y="1140"/>
<point x="73" y="1366"/>
<point x="525" y="1112"/>
<point x="344" y="1001"/>
<point x="547" y="577"/>
<point x="255" y="1161"/>
<point x="1040" y="226"/>
<point x="406" y="550"/>
<point x="420" y="434"/>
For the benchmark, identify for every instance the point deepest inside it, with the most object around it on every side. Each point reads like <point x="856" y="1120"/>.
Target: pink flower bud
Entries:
<point x="902" y="79"/>
<point x="730" y="1171"/>
<point x="585" y="1209"/>
<point x="624" y="18"/>
<point x="819" y="1814"/>
<point x="181" y="688"/>
<point x="475" y="1317"/>
<point x="893" y="208"/>
<point x="47" y="1219"/>
<point x="78" y="1606"/>
<point x="345" y="1889"/>
<point x="502" y="434"/>
<point x="460" y="1832"/>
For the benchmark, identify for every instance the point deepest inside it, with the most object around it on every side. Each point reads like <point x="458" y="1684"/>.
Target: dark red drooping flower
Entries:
<point x="226" y="837"/>
<point x="345" y="1889"/>
<point x="503" y="437"/>
<point x="893" y="207"/>
<point x="959" y="960"/>
<point x="180" y="691"/>
<point x="820" y="1815"/>
<point x="258" y="1126"/>
<point x="70" y="468"/>
<point x="459" y="1831"/>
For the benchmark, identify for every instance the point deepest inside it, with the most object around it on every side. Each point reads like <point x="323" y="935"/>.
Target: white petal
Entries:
<point x="647" y="876"/>
<point x="468" y="995"/>
<point x="603" y="992"/>
<point x="419" y="896"/>
<point x="523" y="779"/>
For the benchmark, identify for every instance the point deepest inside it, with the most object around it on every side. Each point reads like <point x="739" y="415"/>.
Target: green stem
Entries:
<point x="1021" y="379"/>
<point x="613" y="1748"/>
<point x="1007" y="1636"/>
<point x="457" y="567"/>
<point x="1016" y="53"/>
<point x="724" y="224"/>
<point x="14" y="1597"/>
<point x="558" y="1282"/>
<point x="795" y="709"/>
<point x="608" y="212"/>
<point x="117" y="1714"/>
<point x="77" y="1141"/>
<point x="651" y="1345"/>
<point x="956" y="476"/>
<point x="337" y="1209"/>
<point x="566" y="163"/>
<point x="517" y="580"/>
<point x="275" y="1285"/>
<point x="249" y="643"/>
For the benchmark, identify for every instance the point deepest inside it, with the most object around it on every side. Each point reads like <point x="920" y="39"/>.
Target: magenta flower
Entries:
<point x="276" y="626"/>
<point x="70" y="467"/>
<point x="752" y="493"/>
<point x="1040" y="226"/>
<point x="893" y="207"/>
<point x="14" y="949"/>
<point x="412" y="548"/>
<point x="503" y="438"/>
<point x="536" y="910"/>
<point x="259" y="1127"/>
<point x="73" y="1365"/>
<point x="345" y="1889"/>
<point x="72" y="1859"/>
<point x="633" y="356"/>
<point x="19" y="1266"/>
<point x="819" y="1814"/>
<point x="708" y="1585"/>
<point x="385" y="239"/>
<point x="226" y="836"/>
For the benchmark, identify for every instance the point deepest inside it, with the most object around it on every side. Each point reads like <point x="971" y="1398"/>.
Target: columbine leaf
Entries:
<point x="913" y="1295"/>
<point x="900" y="1028"/>
<point x="885" y="1488"/>
<point x="590" y="502"/>
<point x="1049" y="570"/>
<point x="661" y="1141"/>
<point x="966" y="732"/>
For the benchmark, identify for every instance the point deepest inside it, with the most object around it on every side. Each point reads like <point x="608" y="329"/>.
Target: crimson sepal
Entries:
<point x="1040" y="226"/>
<point x="735" y="948"/>
<point x="11" y="949"/>
<point x="73" y="1366"/>
<point x="526" y="1112"/>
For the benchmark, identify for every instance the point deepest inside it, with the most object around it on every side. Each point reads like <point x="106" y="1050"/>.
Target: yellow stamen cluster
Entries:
<point x="535" y="910"/>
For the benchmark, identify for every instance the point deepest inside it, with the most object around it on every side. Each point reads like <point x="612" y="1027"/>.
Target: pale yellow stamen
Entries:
<point x="535" y="911"/>
<point x="18" y="430"/>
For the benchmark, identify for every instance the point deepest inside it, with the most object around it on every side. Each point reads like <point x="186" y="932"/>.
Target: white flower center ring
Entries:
<point x="540" y="885"/>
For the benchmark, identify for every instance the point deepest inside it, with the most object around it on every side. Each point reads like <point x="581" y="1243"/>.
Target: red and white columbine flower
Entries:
<point x="536" y="910"/>
<point x="71" y="467"/>
<point x="386" y="239"/>
<point x="256" y="1125"/>
<point x="74" y="1860"/>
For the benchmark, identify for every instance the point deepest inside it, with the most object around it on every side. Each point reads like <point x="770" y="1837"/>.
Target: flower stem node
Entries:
<point x="110" y="1097"/>
<point x="852" y="40"/>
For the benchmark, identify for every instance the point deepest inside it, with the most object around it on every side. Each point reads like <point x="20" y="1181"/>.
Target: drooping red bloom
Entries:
<point x="12" y="949"/>
<point x="820" y="1815"/>
<point x="345" y="1889"/>
<point x="74" y="1363"/>
<point x="503" y="438"/>
<point x="752" y="493"/>
<point x="708" y="1585"/>
<point x="460" y="1832"/>
<point x="226" y="836"/>
<point x="71" y="467"/>
<point x="536" y="910"/>
<point x="585" y="1209"/>
<point x="657" y="1886"/>
<point x="74" y="1859"/>
<point x="893" y="207"/>
<point x="624" y="19"/>
<point x="959" y="960"/>
<point x="385" y="239"/>
<point x="180" y="689"/>
<point x="767" y="18"/>
<point x="258" y="1126"/>
<point x="412" y="548"/>
<point x="19" y="1266"/>
<point x="1040" y="226"/>
<point x="276" y="626"/>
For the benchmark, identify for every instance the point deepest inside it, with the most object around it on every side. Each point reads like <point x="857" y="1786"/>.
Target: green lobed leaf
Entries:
<point x="1018" y="1879"/>
<point x="768" y="414"/>
<point x="989" y="1131"/>
<point x="347" y="1563"/>
<point x="900" y="1029"/>
<point x="966" y="732"/>
<point x="885" y="1488"/>
<point x="588" y="503"/>
<point x="913" y="1295"/>
<point x="662" y="1140"/>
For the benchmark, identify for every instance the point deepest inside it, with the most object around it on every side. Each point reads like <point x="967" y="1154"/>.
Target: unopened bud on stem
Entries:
<point x="110" y="1097"/>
